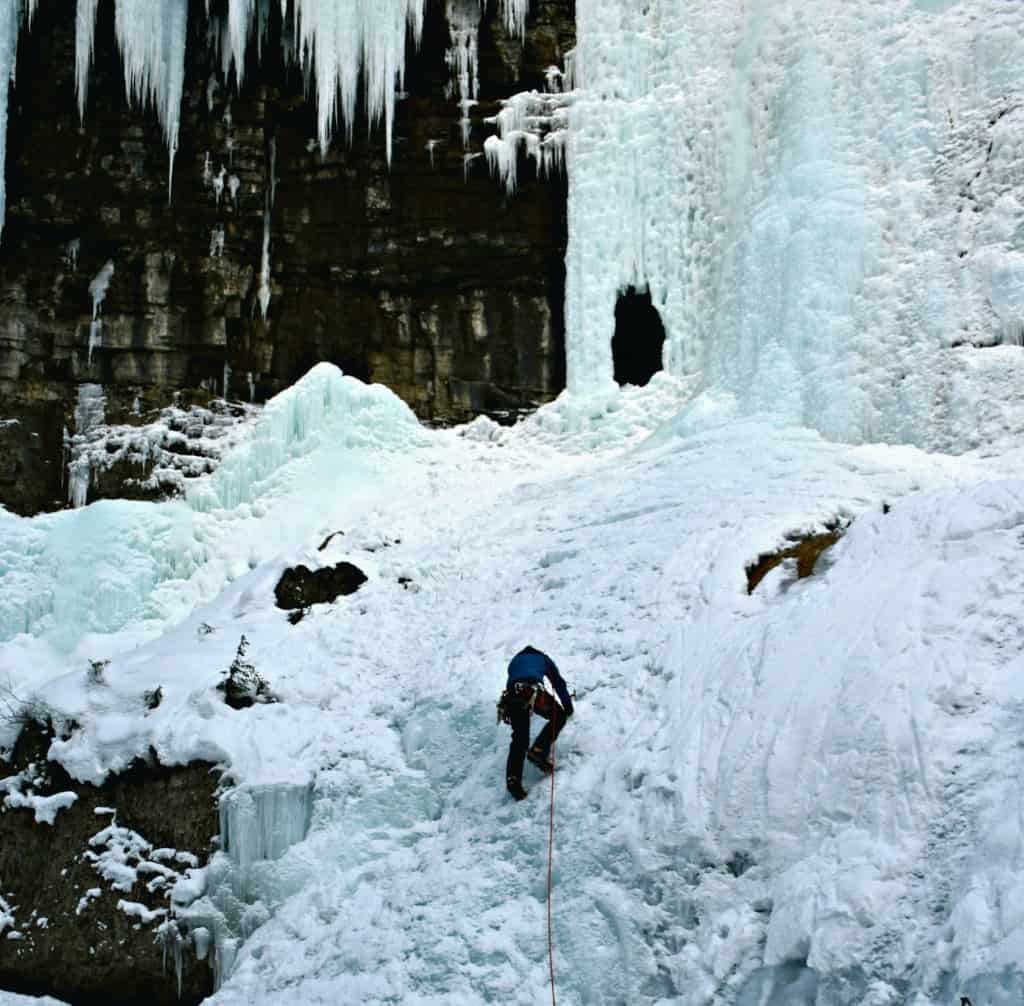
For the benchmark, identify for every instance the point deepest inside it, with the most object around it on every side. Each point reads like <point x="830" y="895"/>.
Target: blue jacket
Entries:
<point x="532" y="665"/>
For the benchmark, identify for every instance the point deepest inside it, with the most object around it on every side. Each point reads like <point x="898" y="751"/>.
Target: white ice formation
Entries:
<point x="533" y="123"/>
<point x="89" y="416"/>
<point x="215" y="908"/>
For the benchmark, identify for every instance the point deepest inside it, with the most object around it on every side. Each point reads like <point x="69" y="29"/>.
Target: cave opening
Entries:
<point x="639" y="338"/>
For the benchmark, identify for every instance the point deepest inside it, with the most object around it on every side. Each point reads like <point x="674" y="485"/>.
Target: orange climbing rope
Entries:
<point x="551" y="853"/>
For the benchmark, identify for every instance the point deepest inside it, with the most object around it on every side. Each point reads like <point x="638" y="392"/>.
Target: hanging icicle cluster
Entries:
<point x="342" y="44"/>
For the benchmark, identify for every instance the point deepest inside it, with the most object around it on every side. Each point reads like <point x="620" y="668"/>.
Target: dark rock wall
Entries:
<point x="417" y="275"/>
<point x="97" y="953"/>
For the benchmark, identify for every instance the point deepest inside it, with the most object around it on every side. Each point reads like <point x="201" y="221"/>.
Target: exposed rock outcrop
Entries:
<point x="805" y="552"/>
<point x="423" y="275"/>
<point x="77" y="936"/>
<point x="300" y="587"/>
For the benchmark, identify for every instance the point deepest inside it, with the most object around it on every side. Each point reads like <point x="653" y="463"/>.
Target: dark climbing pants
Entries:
<point x="519" y="718"/>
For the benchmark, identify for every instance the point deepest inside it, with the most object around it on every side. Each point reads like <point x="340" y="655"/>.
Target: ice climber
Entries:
<point x="525" y="693"/>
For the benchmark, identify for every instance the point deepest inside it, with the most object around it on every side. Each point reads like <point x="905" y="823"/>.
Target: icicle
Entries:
<point x="532" y="121"/>
<point x="8" y="53"/>
<point x="227" y="380"/>
<point x="252" y="385"/>
<point x="98" y="291"/>
<point x="273" y="170"/>
<point x="217" y="242"/>
<point x="218" y="184"/>
<point x="336" y="40"/>
<point x="212" y="87"/>
<point x="462" y="58"/>
<point x="240" y="14"/>
<point x="152" y="35"/>
<point x="263" y="293"/>
<point x="514" y="13"/>
<point x="233" y="184"/>
<point x="85" y="29"/>
<point x="260" y="823"/>
<point x="70" y="256"/>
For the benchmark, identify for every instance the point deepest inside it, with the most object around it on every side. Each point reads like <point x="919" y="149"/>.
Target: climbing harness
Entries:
<point x="524" y="694"/>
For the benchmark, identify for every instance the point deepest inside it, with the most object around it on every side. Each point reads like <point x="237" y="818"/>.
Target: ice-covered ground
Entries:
<point x="811" y="791"/>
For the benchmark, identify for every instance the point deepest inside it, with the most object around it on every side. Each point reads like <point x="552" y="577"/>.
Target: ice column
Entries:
<point x="9" y="23"/>
<point x="89" y="414"/>
<point x="258" y="825"/>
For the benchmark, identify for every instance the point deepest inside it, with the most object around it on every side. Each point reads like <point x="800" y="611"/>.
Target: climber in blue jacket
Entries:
<point x="524" y="693"/>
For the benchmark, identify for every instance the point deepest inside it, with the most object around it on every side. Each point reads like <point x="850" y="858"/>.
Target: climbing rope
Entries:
<point x="551" y="853"/>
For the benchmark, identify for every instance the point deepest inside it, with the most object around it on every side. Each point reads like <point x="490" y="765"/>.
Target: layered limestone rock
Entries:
<point x="273" y="254"/>
<point x="86" y="872"/>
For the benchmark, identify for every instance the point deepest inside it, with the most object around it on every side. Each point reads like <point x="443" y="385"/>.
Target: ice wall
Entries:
<point x="827" y="204"/>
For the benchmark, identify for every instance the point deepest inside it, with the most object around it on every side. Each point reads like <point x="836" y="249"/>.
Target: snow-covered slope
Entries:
<point x="813" y="790"/>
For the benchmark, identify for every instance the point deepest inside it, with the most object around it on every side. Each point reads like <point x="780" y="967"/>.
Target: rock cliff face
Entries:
<point x="85" y="892"/>
<point x="421" y="275"/>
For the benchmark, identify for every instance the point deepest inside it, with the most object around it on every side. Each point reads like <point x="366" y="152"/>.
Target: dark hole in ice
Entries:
<point x="639" y="338"/>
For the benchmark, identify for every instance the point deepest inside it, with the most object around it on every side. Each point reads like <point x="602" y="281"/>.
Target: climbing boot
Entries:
<point x="541" y="760"/>
<point x="515" y="787"/>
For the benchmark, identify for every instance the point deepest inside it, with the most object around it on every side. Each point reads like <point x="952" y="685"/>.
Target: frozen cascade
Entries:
<point x="259" y="824"/>
<point x="789" y="187"/>
<point x="89" y="414"/>
<point x="243" y="882"/>
<point x="9" y="18"/>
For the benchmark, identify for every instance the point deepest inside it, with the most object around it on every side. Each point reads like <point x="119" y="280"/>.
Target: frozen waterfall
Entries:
<point x="825" y="206"/>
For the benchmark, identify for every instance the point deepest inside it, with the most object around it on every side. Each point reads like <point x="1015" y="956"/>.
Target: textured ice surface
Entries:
<point x="826" y="203"/>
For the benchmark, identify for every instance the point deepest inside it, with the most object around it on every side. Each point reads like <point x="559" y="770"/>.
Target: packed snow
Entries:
<point x="809" y="791"/>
